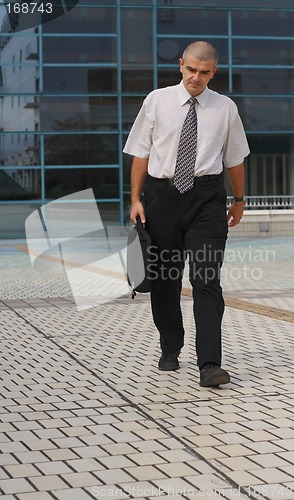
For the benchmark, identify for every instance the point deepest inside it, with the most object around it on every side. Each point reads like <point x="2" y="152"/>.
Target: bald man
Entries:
<point x="180" y="141"/>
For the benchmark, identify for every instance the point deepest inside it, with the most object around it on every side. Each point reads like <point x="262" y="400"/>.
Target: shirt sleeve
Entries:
<point x="139" y="141"/>
<point x="236" y="146"/>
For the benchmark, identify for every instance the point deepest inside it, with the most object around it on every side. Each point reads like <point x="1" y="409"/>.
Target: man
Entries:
<point x="180" y="140"/>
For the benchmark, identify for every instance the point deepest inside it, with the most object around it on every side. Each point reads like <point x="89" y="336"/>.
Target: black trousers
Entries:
<point x="191" y="225"/>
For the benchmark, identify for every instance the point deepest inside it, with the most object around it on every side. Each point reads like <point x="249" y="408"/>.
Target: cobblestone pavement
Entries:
<point x="85" y="413"/>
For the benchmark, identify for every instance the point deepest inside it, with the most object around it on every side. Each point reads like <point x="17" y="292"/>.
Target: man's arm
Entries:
<point x="138" y="177"/>
<point x="236" y="178"/>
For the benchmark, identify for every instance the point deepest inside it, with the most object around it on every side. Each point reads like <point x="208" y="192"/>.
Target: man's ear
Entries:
<point x="181" y="62"/>
<point x="214" y="71"/>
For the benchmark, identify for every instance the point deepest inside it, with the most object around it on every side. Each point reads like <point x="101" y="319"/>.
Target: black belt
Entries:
<point x="197" y="180"/>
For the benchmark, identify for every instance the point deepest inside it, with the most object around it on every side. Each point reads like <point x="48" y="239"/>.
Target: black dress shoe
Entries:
<point x="212" y="375"/>
<point x="169" y="362"/>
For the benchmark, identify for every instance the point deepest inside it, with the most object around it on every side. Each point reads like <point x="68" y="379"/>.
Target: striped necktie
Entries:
<point x="186" y="156"/>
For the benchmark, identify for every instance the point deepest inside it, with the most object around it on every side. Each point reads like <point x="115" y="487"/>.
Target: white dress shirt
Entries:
<point x="156" y="131"/>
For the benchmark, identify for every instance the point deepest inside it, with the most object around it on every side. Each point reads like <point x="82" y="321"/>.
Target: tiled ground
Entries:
<point x="85" y="413"/>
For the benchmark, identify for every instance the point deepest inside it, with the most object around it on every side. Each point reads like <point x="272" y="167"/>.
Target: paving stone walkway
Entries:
<point x="85" y="413"/>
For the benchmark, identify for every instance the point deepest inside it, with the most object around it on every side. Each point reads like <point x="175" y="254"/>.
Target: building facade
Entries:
<point x="71" y="87"/>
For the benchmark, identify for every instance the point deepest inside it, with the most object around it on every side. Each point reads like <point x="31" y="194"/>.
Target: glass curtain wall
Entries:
<point x="61" y="128"/>
<point x="71" y="88"/>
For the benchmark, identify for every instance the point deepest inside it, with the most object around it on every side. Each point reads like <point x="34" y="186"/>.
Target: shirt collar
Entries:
<point x="184" y="95"/>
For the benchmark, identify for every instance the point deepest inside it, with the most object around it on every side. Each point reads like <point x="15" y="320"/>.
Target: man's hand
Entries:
<point x="137" y="209"/>
<point x="236" y="178"/>
<point x="235" y="213"/>
<point x="138" y="177"/>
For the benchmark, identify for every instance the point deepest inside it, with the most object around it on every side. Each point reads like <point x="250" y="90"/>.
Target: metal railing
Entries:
<point x="267" y="202"/>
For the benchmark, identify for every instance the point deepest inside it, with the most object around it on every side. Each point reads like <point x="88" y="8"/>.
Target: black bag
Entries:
<point x="138" y="259"/>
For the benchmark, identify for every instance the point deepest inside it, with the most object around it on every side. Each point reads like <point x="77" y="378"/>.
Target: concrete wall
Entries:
<point x="264" y="223"/>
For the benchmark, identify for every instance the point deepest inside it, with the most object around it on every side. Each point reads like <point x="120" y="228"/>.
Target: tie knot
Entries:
<point x="192" y="100"/>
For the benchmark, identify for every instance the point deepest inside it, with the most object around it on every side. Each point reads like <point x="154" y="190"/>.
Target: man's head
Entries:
<point x="198" y="66"/>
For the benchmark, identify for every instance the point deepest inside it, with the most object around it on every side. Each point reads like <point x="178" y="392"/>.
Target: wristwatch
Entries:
<point x="241" y="199"/>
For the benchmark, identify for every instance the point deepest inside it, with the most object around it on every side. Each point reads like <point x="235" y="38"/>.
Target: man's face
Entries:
<point x="196" y="74"/>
